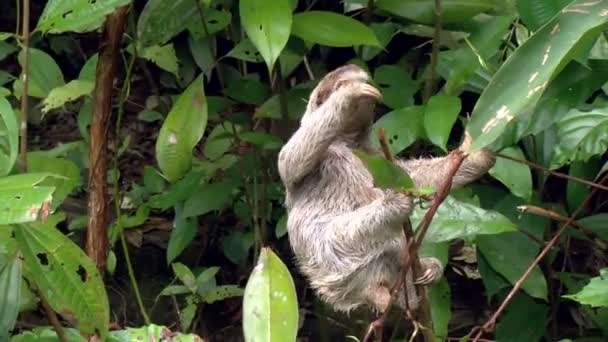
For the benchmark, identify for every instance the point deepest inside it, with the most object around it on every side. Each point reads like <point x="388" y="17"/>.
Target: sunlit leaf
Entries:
<point x="270" y="303"/>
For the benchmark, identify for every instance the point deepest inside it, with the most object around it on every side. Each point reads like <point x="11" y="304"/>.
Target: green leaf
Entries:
<point x="522" y="319"/>
<point x="71" y="91"/>
<point x="332" y="29"/>
<point x="76" y="15"/>
<point x="222" y="292"/>
<point x="174" y="290"/>
<point x="215" y="21"/>
<point x="88" y="71"/>
<point x="595" y="293"/>
<point x="10" y="294"/>
<point x="220" y="140"/>
<point x="151" y="332"/>
<point x="597" y="224"/>
<point x="182" y="130"/>
<point x="163" y="56"/>
<point x="247" y="90"/>
<point x="246" y="51"/>
<point x="236" y="246"/>
<point x="9" y="137"/>
<point x="268" y="25"/>
<point x="440" y="115"/>
<point x="582" y="135"/>
<point x="402" y="127"/>
<point x="441" y="311"/>
<point x="41" y="161"/>
<point x="536" y="13"/>
<point x="296" y="105"/>
<point x="185" y="275"/>
<point x="161" y="20"/>
<point x="510" y="254"/>
<point x="208" y="198"/>
<point x="206" y="277"/>
<point x="385" y="33"/>
<point x="23" y="201"/>
<point x="576" y="192"/>
<point x="270" y="303"/>
<point x="452" y="11"/>
<point x="515" y="176"/>
<point x="51" y="258"/>
<point x="386" y="174"/>
<point x="183" y="233"/>
<point x="522" y="79"/>
<point x="397" y="86"/>
<point x="262" y="140"/>
<point x="281" y="227"/>
<point x="44" y="74"/>
<point x="459" y="220"/>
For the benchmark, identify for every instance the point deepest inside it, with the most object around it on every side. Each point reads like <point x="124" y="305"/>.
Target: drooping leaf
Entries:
<point x="9" y="137"/>
<point x="595" y="293"/>
<point x="76" y="15"/>
<point x="270" y="303"/>
<point x="452" y="11"/>
<point x="522" y="79"/>
<point x="515" y="176"/>
<point x="386" y="174"/>
<point x="397" y="86"/>
<point x="459" y="220"/>
<point x="268" y="26"/>
<point x="510" y="254"/>
<point x="182" y="130"/>
<point x="440" y="115"/>
<point x="402" y="127"/>
<point x="582" y="135"/>
<point x="332" y="29"/>
<point x="71" y="91"/>
<point x="51" y="258"/>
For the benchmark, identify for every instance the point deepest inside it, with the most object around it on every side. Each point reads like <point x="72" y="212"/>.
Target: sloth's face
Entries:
<point x="335" y="80"/>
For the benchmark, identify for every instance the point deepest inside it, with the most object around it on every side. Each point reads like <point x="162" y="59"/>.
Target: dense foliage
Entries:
<point x="205" y="94"/>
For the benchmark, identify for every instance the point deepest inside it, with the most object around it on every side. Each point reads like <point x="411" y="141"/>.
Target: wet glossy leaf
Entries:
<point x="515" y="176"/>
<point x="459" y="220"/>
<point x="268" y="25"/>
<point x="332" y="29"/>
<point x="182" y="130"/>
<point x="452" y="11"/>
<point x="522" y="79"/>
<point x="440" y="115"/>
<point x="9" y="137"/>
<point x="51" y="258"/>
<point x="270" y="303"/>
<point x="76" y="15"/>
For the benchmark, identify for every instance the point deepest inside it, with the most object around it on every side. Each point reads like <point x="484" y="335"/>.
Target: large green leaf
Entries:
<point x="10" y="293"/>
<point x="402" y="127"/>
<point x="510" y="254"/>
<point x="522" y="320"/>
<point x="43" y="76"/>
<point x="522" y="79"/>
<point x="581" y="136"/>
<point x="42" y="161"/>
<point x="9" y="130"/>
<point x="536" y="13"/>
<point x="397" y="86"/>
<point x="515" y="176"/>
<point x="268" y="25"/>
<point x="332" y="29"/>
<point x="71" y="91"/>
<point x="76" y="15"/>
<point x="459" y="220"/>
<point x="51" y="258"/>
<point x="22" y="199"/>
<point x="270" y="304"/>
<point x="440" y="115"/>
<point x="452" y="11"/>
<point x="595" y="293"/>
<point x="182" y="130"/>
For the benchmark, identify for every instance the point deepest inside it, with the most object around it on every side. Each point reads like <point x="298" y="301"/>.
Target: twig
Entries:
<point x="488" y="326"/>
<point x="52" y="317"/>
<point x="25" y="42"/>
<point x="553" y="173"/>
<point x="428" y="88"/>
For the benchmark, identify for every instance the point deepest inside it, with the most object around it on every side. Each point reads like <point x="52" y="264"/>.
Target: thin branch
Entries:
<point x="428" y="88"/>
<point x="25" y="43"/>
<point x="553" y="173"/>
<point x="488" y="326"/>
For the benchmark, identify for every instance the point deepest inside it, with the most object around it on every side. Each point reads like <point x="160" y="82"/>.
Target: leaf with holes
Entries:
<point x="51" y="258"/>
<point x="522" y="79"/>
<point x="44" y="74"/>
<point x="423" y="11"/>
<point x="9" y="137"/>
<point x="397" y="86"/>
<point x="440" y="115"/>
<point x="182" y="130"/>
<point x="332" y="29"/>
<point x="222" y="292"/>
<point x="386" y="174"/>
<point x="246" y="51"/>
<point x="268" y="25"/>
<point x="161" y="20"/>
<point x="270" y="303"/>
<point x="71" y="91"/>
<point x="163" y="56"/>
<point x="42" y="161"/>
<point x="10" y="293"/>
<point x="515" y="176"/>
<point x="582" y="135"/>
<point x="22" y="199"/>
<point x="76" y="15"/>
<point x="402" y="127"/>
